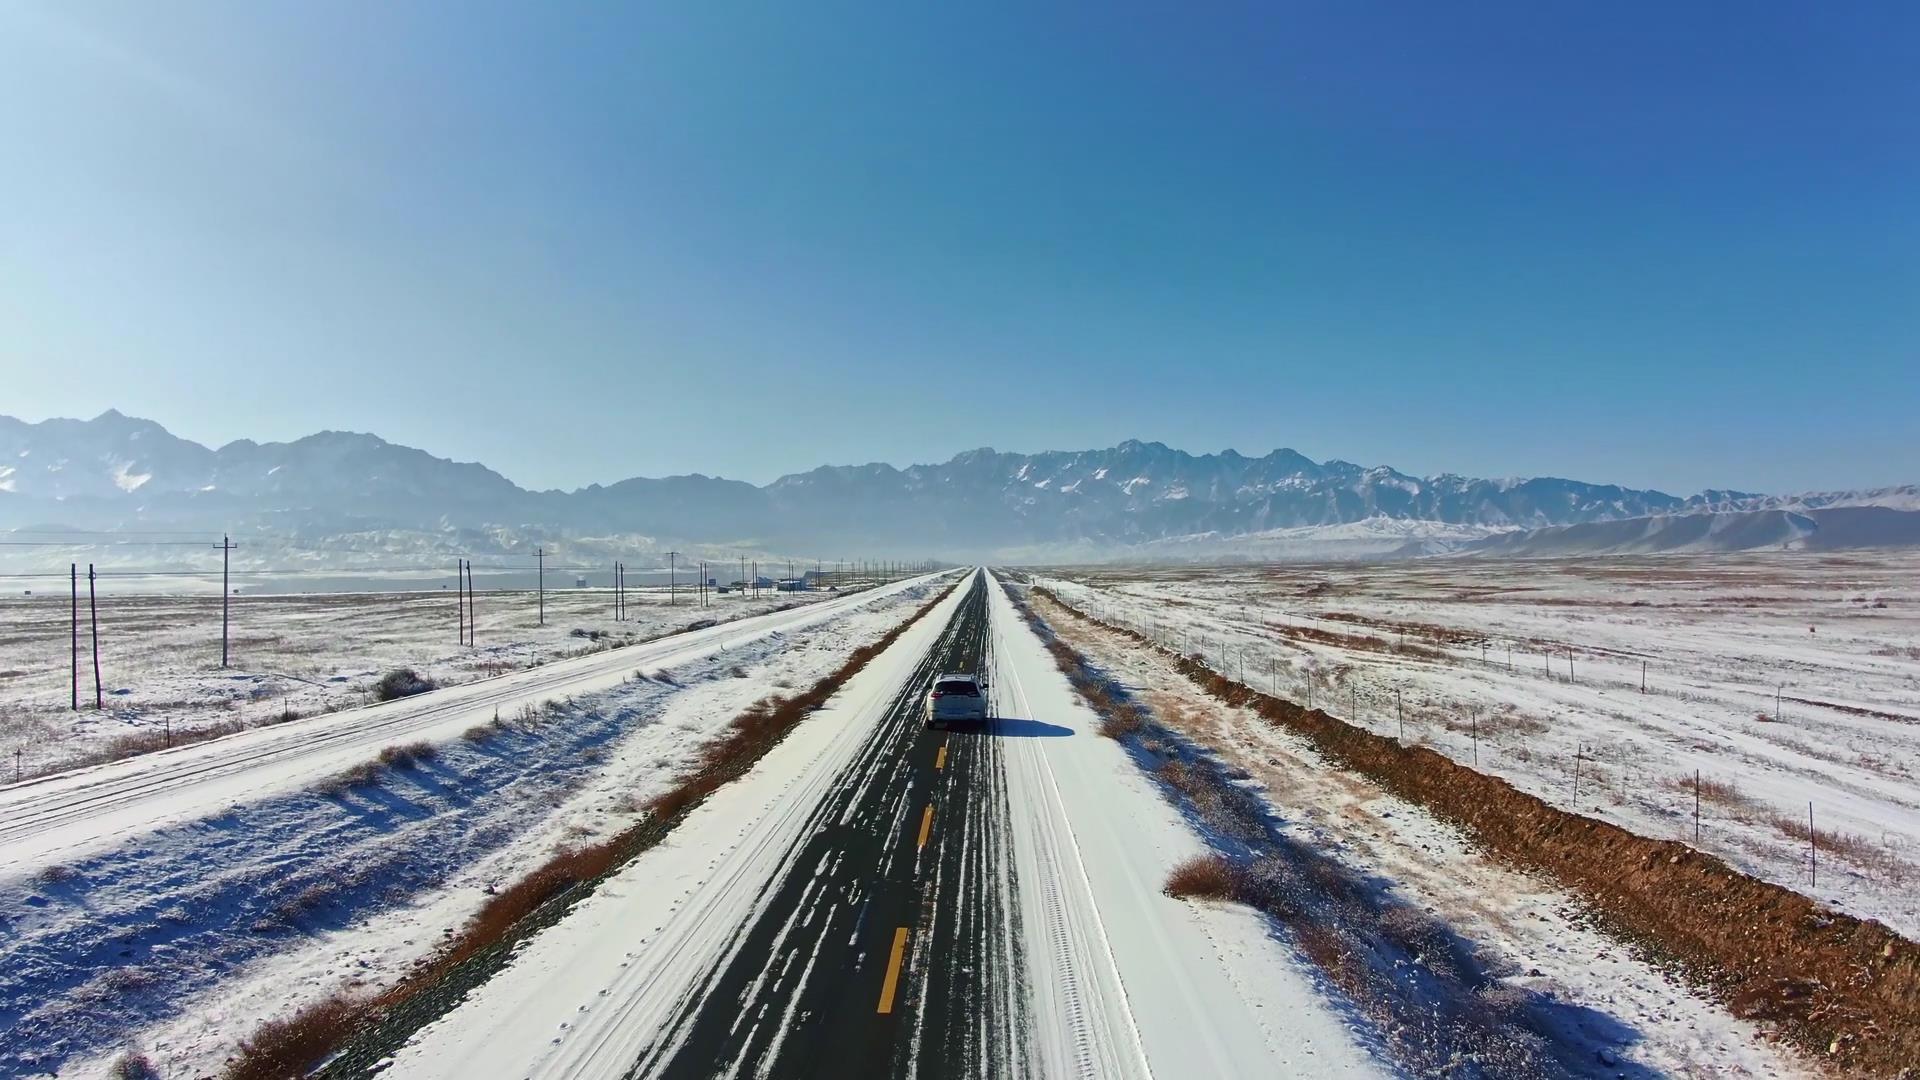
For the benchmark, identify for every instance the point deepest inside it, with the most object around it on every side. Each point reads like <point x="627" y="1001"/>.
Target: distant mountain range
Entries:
<point x="340" y="497"/>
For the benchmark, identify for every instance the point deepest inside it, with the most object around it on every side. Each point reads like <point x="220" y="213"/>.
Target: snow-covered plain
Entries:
<point x="1599" y="1000"/>
<point x="1783" y="679"/>
<point x="302" y="653"/>
<point x="178" y="935"/>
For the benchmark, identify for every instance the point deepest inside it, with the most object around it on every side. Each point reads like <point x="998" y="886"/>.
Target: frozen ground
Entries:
<point x="1783" y="679"/>
<point x="299" y="654"/>
<point x="182" y="936"/>
<point x="1598" y="1000"/>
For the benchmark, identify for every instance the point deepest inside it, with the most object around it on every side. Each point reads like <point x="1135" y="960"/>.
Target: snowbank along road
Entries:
<point x="878" y="899"/>
<point x="60" y="816"/>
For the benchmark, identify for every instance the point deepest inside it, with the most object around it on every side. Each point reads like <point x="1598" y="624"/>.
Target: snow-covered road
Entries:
<point x="60" y="817"/>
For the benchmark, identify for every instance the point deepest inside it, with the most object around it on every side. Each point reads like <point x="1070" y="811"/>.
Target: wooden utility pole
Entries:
<point x="673" y="578"/>
<point x="226" y="593"/>
<point x="93" y="618"/>
<point x="473" y="614"/>
<point x="74" y="570"/>
<point x="540" y="554"/>
<point x="460" y="597"/>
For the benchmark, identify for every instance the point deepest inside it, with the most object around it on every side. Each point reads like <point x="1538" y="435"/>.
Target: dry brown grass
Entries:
<point x="133" y="1065"/>
<point x="408" y="755"/>
<point x="146" y="741"/>
<point x="55" y="874"/>
<point x="359" y="776"/>
<point x="1203" y="877"/>
<point x="402" y="682"/>
<point x="285" y="1048"/>
<point x="1721" y="793"/>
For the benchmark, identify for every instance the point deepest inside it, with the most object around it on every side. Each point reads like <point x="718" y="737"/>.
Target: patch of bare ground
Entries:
<point x="374" y="1024"/>
<point x="1856" y="710"/>
<point x="1445" y="635"/>
<point x="1845" y="989"/>
<point x="1355" y="642"/>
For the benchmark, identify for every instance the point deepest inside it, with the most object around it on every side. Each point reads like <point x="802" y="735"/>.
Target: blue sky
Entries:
<point x="1655" y="244"/>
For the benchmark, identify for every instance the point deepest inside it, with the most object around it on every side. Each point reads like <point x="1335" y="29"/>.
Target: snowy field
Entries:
<point x="289" y="654"/>
<point x="1783" y="679"/>
<point x="1599" y="1002"/>
<point x="178" y="938"/>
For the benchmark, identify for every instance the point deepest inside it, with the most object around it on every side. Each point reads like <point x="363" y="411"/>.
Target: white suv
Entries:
<point x="956" y="697"/>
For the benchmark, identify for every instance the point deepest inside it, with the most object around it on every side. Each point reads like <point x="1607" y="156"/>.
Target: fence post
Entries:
<point x="1696" y="808"/>
<point x="1813" y="849"/>
<point x="1577" y="755"/>
<point x="1474" y="719"/>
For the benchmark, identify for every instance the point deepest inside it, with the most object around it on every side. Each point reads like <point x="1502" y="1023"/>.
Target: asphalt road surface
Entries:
<point x="897" y="955"/>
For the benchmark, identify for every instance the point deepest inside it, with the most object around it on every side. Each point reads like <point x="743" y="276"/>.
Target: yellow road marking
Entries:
<point x="941" y="761"/>
<point x="893" y="970"/>
<point x="926" y="824"/>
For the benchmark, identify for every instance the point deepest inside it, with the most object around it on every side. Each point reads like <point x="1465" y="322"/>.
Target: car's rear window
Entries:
<point x="955" y="686"/>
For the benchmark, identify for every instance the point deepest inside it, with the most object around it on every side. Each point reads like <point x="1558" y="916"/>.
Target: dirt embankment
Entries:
<point x="1842" y="988"/>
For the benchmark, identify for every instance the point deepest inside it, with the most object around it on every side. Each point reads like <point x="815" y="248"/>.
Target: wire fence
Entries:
<point x="1481" y="734"/>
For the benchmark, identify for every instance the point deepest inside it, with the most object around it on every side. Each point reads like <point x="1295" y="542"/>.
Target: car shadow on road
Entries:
<point x="1013" y="727"/>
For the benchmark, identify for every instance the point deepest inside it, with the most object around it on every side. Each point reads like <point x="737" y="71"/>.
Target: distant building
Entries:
<point x="580" y="582"/>
<point x="792" y="585"/>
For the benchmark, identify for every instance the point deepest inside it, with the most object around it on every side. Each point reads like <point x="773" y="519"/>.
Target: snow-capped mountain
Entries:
<point x="116" y="471"/>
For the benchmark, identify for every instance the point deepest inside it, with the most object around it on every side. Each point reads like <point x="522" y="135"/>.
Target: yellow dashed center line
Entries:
<point x="893" y="966"/>
<point x="940" y="762"/>
<point x="926" y="825"/>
